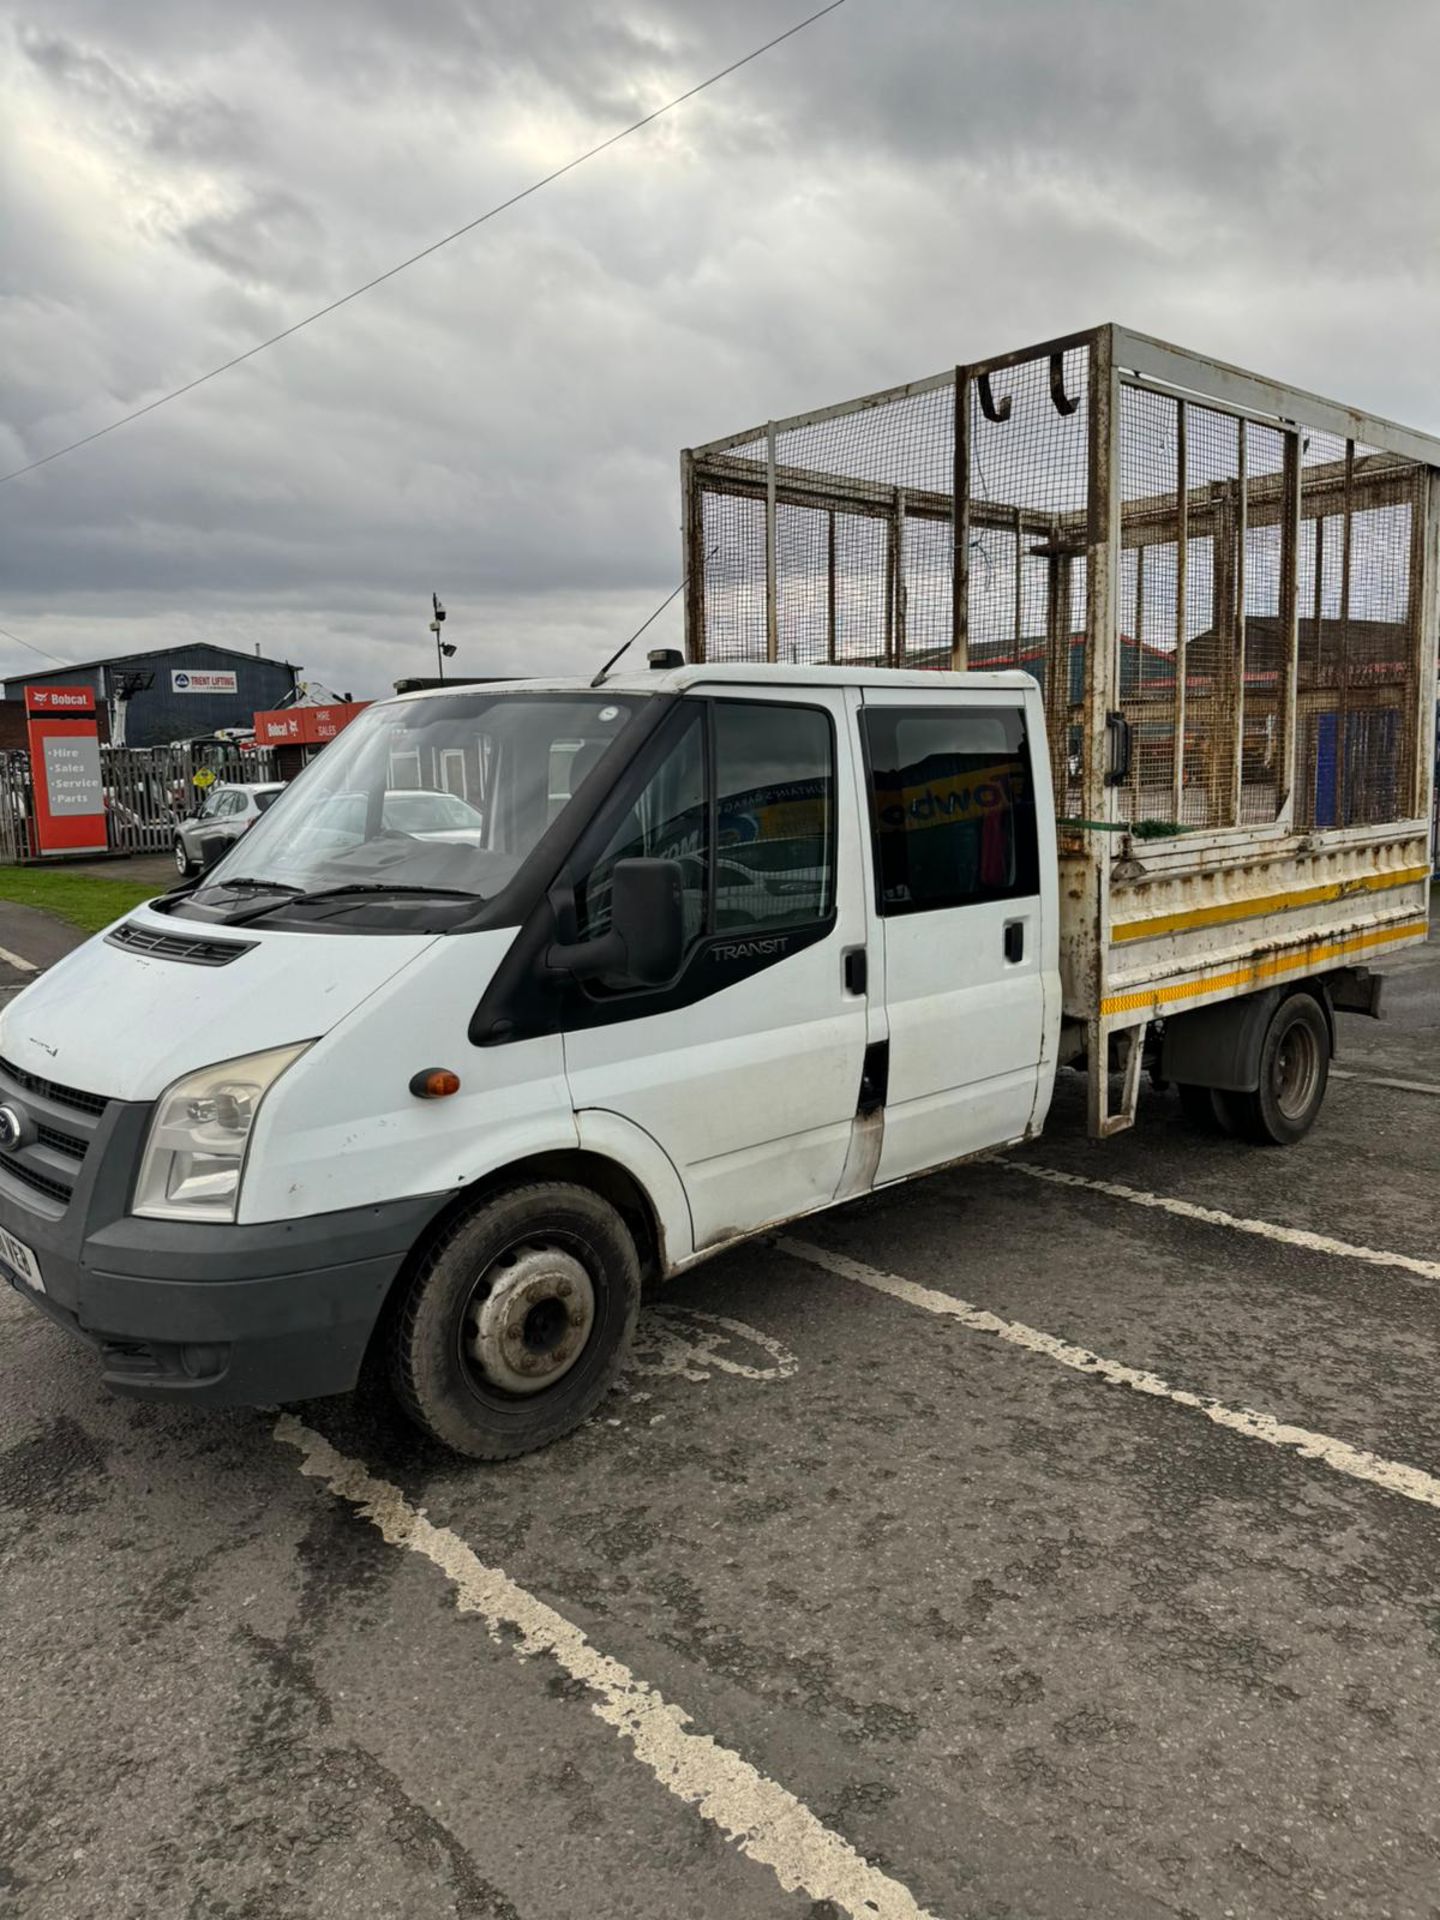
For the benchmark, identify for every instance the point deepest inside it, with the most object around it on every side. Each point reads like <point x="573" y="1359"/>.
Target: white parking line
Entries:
<point x="679" y="1340"/>
<point x="1379" y="1080"/>
<point x="765" y="1820"/>
<point x="14" y="960"/>
<point x="1216" y="1217"/>
<point x="1413" y="1482"/>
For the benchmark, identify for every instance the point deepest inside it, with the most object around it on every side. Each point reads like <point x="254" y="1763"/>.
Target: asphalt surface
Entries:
<point x="1032" y="1643"/>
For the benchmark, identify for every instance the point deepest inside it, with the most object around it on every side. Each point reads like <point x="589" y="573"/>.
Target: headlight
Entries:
<point x="198" y="1139"/>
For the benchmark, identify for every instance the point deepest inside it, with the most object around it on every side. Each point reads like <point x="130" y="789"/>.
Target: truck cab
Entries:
<point x="714" y="947"/>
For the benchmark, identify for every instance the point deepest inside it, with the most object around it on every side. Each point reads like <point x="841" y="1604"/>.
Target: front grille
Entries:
<point x="58" y="1124"/>
<point x="66" y="1143"/>
<point x="194" y="950"/>
<point x="91" y="1103"/>
<point x="31" y="1176"/>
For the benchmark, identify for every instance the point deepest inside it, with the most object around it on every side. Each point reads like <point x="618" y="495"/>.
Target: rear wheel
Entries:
<point x="517" y="1321"/>
<point x="1294" y="1072"/>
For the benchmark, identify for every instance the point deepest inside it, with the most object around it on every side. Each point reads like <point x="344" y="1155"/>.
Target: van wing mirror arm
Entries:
<point x="587" y="958"/>
<point x="646" y="937"/>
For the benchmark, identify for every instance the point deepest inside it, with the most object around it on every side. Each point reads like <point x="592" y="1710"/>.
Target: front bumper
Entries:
<point x="218" y="1315"/>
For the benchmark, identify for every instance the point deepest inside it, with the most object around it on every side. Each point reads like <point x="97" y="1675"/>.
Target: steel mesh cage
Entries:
<point x="1252" y="583"/>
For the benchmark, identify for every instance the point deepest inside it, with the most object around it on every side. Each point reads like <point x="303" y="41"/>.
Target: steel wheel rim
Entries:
<point x="528" y="1320"/>
<point x="1297" y="1071"/>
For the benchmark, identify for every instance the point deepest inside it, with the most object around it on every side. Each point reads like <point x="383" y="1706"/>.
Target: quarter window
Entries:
<point x="952" y="806"/>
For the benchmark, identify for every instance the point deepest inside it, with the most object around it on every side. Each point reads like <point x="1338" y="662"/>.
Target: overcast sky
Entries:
<point x="908" y="183"/>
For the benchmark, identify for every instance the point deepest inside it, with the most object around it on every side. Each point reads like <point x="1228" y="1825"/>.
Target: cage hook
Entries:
<point x="1063" y="402"/>
<point x="992" y="409"/>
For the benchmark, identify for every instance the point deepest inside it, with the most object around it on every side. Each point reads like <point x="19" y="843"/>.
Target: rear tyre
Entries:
<point x="184" y="865"/>
<point x="1294" y="1072"/>
<point x="516" y="1323"/>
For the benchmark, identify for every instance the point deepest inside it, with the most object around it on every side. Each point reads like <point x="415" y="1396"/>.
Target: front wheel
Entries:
<point x="1294" y="1072"/>
<point x="184" y="866"/>
<point x="517" y="1321"/>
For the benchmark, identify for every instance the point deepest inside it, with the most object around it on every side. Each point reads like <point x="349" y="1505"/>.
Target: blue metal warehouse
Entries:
<point x="195" y="690"/>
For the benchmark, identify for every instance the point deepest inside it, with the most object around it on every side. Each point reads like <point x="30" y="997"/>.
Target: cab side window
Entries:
<point x="668" y="821"/>
<point x="775" y="808"/>
<point x="754" y="835"/>
<point x="952" y="806"/>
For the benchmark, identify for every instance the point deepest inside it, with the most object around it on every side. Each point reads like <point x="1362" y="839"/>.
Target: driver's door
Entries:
<point x="746" y="1068"/>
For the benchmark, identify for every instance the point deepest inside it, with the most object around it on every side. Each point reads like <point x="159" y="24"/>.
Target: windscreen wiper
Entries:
<point x="263" y="886"/>
<point x="380" y="886"/>
<point x="298" y="897"/>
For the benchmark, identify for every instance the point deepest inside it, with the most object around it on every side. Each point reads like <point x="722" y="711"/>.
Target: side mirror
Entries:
<point x="212" y="846"/>
<point x="647" y="928"/>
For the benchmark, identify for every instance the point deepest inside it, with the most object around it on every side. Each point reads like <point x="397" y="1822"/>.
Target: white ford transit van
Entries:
<point x="710" y="947"/>
<point x="467" y="1088"/>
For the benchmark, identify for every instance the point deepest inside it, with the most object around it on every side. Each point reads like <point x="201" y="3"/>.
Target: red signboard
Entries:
<point x="60" y="700"/>
<point x="305" y="726"/>
<point x="65" y="770"/>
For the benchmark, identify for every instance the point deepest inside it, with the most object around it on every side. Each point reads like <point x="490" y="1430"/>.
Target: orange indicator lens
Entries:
<point x="434" y="1083"/>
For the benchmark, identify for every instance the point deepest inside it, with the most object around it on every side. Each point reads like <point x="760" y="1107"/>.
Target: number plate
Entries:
<point x="19" y="1263"/>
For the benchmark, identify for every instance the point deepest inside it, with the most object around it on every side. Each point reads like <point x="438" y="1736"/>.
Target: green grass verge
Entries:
<point x="84" y="899"/>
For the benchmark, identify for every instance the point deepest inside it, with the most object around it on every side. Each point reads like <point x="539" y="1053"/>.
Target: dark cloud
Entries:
<point x="908" y="183"/>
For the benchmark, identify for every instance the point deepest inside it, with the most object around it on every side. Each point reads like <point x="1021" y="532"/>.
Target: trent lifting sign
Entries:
<point x="192" y="680"/>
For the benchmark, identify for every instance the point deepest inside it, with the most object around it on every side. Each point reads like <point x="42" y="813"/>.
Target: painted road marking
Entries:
<point x="1413" y="1482"/>
<point x="765" y="1821"/>
<point x="14" y="960"/>
<point x="1216" y="1217"/>
<point x="1378" y="1080"/>
<point x="687" y="1342"/>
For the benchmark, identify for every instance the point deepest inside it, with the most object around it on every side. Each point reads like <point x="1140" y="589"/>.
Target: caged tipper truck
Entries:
<point x="1069" y="708"/>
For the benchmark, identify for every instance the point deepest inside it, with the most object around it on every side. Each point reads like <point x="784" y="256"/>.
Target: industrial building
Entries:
<point x="176" y="693"/>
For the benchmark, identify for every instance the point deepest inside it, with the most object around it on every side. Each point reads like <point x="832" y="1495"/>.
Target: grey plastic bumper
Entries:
<point x="220" y="1315"/>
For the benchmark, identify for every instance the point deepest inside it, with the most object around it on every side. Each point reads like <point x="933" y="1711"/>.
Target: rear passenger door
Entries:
<point x="958" y="905"/>
<point x="746" y="1067"/>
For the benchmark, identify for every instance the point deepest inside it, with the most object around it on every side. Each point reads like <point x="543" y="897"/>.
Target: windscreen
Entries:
<point x="450" y="793"/>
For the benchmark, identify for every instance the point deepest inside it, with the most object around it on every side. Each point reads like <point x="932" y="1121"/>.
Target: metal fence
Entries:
<point x="1248" y="562"/>
<point x="147" y="790"/>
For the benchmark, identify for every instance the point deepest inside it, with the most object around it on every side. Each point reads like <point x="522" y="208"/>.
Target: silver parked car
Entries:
<point x="226" y="813"/>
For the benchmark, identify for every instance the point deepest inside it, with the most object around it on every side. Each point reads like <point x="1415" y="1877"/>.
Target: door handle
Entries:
<point x="856" y="971"/>
<point x="1014" y="941"/>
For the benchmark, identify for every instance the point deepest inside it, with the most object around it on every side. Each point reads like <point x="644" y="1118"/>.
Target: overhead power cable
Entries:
<point x="400" y="267"/>
<point x="5" y="633"/>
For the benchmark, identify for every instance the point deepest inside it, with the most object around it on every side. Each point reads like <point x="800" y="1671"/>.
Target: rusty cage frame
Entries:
<point x="1226" y="587"/>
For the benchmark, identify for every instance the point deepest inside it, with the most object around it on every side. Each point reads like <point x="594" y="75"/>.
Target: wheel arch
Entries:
<point x="601" y="1173"/>
<point x="1220" y="1046"/>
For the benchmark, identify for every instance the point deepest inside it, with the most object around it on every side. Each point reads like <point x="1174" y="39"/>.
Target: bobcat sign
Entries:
<point x="64" y="735"/>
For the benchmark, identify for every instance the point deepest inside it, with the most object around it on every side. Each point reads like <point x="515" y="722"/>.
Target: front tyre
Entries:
<point x="1294" y="1072"/>
<point x="184" y="866"/>
<point x="517" y="1321"/>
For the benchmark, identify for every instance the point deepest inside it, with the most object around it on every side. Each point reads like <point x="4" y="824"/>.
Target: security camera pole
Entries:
<point x="443" y="652"/>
